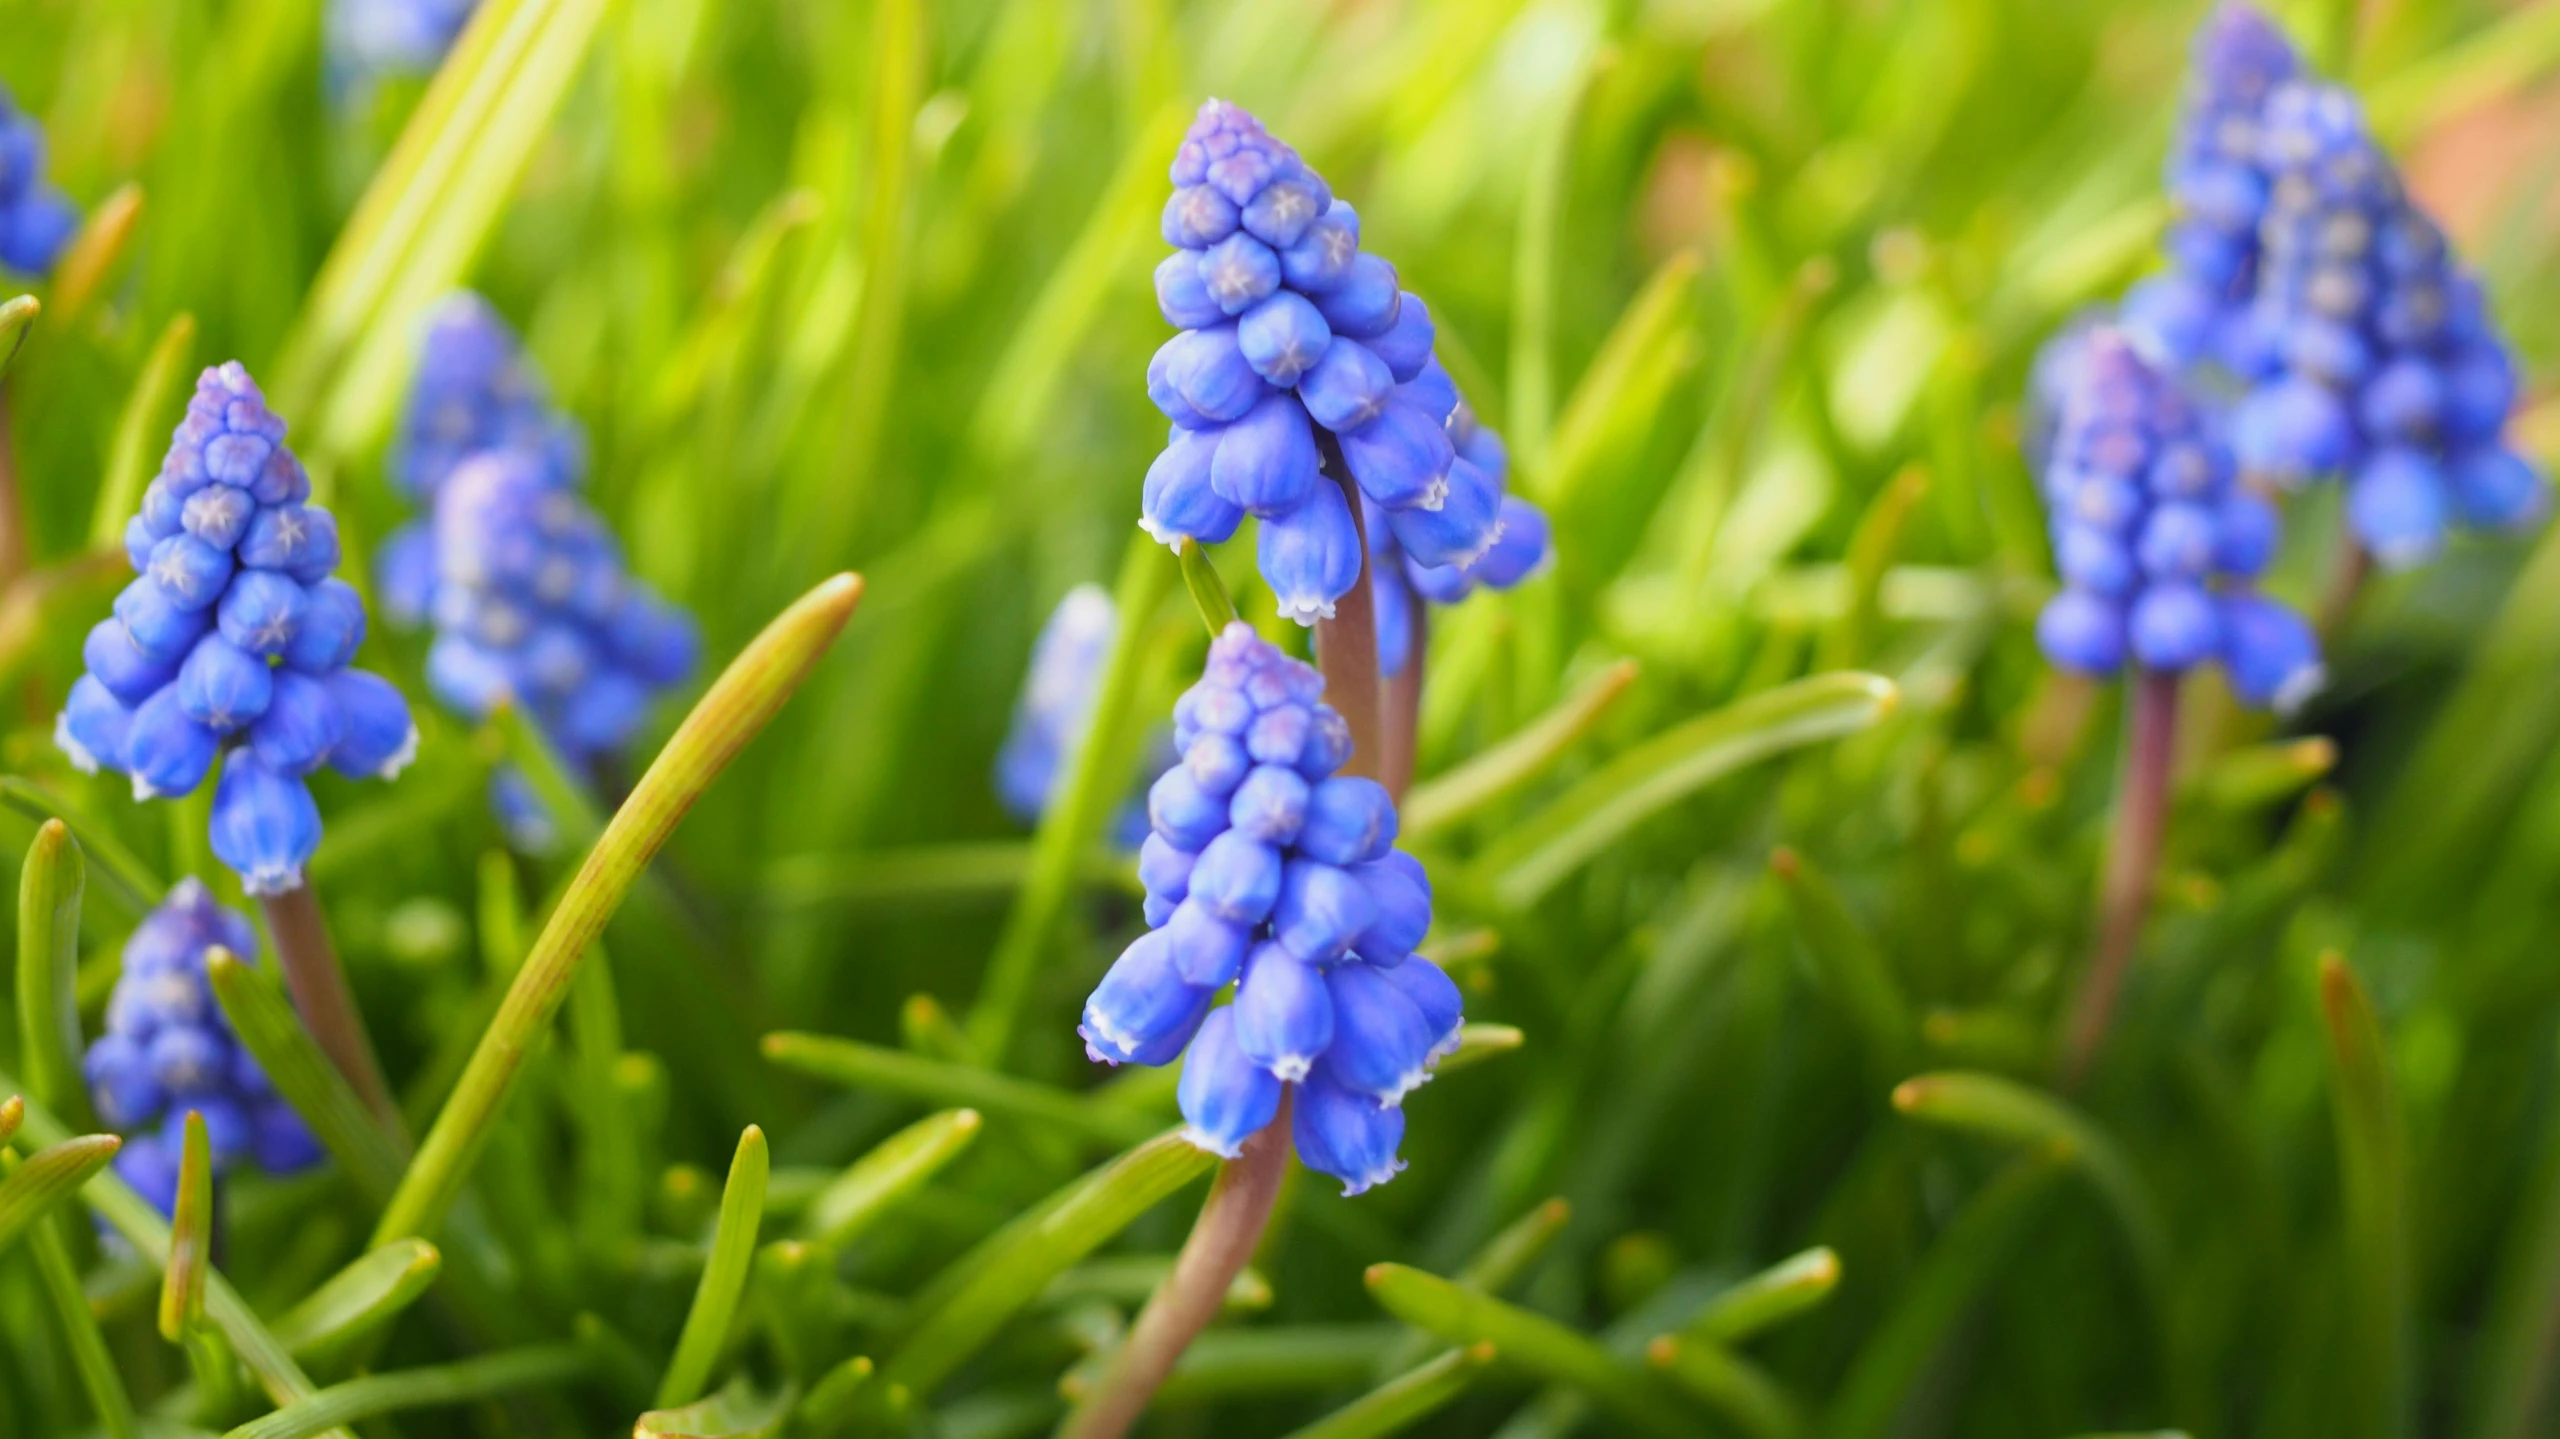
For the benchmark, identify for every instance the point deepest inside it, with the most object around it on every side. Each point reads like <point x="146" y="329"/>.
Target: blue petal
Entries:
<point x="1226" y="1098"/>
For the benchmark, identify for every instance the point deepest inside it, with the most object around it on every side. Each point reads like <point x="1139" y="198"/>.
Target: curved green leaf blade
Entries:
<point x="48" y="1177"/>
<point x="1731" y="1385"/>
<point x="466" y="1382"/>
<point x="1405" y="1400"/>
<point x="1670" y="767"/>
<point x="715" y="1299"/>
<point x="738" y="1411"/>
<point x="359" y="1299"/>
<point x="190" y="1236"/>
<point x="893" y="1071"/>
<point x="145" y="416"/>
<point x="2373" y="1164"/>
<point x="16" y="314"/>
<point x="49" y="972"/>
<point x="1531" y="1341"/>
<point x="894" y="1169"/>
<point x="1782" y="1291"/>
<point x="1444" y="799"/>
<point x="264" y="1021"/>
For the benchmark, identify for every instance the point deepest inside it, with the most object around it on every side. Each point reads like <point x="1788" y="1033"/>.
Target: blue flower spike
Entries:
<point x="231" y="647"/>
<point x="2376" y="359"/>
<point x="1299" y="352"/>
<point x="1056" y="704"/>
<point x="168" y="1049"/>
<point x="36" y="220"/>
<point x="1269" y="871"/>
<point x="2157" y="541"/>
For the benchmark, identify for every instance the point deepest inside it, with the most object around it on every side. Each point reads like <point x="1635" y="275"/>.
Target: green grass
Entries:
<point x="863" y="284"/>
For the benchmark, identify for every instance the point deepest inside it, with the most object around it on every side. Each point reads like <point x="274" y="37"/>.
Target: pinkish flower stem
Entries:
<point x="2133" y="863"/>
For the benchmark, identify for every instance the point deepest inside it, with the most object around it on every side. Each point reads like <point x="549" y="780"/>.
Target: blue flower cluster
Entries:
<point x="533" y="607"/>
<point x="2147" y="516"/>
<point x="474" y="390"/>
<point x="2381" y="363"/>
<point x="1521" y="546"/>
<point x="374" y="39"/>
<point x="2198" y="310"/>
<point x="1056" y="704"/>
<point x="36" y="220"/>
<point x="235" y="638"/>
<point x="1268" y="871"/>
<point x="169" y="1049"/>
<point x="1288" y="325"/>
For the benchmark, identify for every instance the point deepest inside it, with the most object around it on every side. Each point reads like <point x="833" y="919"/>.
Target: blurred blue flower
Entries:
<point x="233" y="644"/>
<point x="375" y="39"/>
<point x="532" y="607"/>
<point x="36" y="220"/>
<point x="1286" y="326"/>
<point x="168" y="1048"/>
<point x="1056" y="702"/>
<point x="2377" y="361"/>
<point x="2157" y="541"/>
<point x="1268" y="871"/>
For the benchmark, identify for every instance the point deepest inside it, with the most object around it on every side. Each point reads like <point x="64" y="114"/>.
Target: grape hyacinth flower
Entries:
<point x="2197" y="310"/>
<point x="2382" y="365"/>
<point x="1297" y="349"/>
<point x="169" y="1049"/>
<point x="36" y="220"/>
<point x="1056" y="704"/>
<point x="533" y="608"/>
<point x="233" y="644"/>
<point x="2157" y="543"/>
<point x="1520" y="550"/>
<point x="1269" y="871"/>
<point x="474" y="390"/>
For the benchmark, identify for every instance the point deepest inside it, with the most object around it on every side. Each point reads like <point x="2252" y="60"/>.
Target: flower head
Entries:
<point x="1296" y="345"/>
<point x="234" y="640"/>
<point x="2375" y="359"/>
<point x="168" y="1049"/>
<point x="1269" y="871"/>
<point x="2157" y="542"/>
<point x="36" y="220"/>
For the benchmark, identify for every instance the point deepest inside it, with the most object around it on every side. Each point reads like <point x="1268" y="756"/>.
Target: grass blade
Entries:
<point x="871" y="1066"/>
<point x="131" y="879"/>
<point x="736" y="707"/>
<point x="132" y="456"/>
<point x="49" y="888"/>
<point x="1728" y="1384"/>
<point x="960" y="1311"/>
<point x="466" y="1382"/>
<point x="1617" y="397"/>
<point x="2013" y="1113"/>
<point x="1671" y="766"/>
<point x="16" y="315"/>
<point x="1967" y="1253"/>
<point x="190" y="1236"/>
<point x="894" y="1169"/>
<point x="34" y="1185"/>
<point x="736" y="1412"/>
<point x="1405" y="1400"/>
<point x="89" y="1353"/>
<point x="2374" y="1177"/>
<point x="715" y="1299"/>
<point x="91" y="256"/>
<point x="1845" y="961"/>
<point x="132" y="1216"/>
<point x="1771" y="1297"/>
<point x="359" y="1299"/>
<point x="1208" y="592"/>
<point x="1444" y="799"/>
<point x="267" y="1027"/>
<point x="1531" y="1341"/>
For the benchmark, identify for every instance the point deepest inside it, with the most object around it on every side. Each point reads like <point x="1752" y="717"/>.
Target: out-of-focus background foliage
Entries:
<point x="1751" y="287"/>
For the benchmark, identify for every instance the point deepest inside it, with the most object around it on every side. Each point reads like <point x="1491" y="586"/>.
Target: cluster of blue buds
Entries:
<point x="1288" y="325"/>
<point x="533" y="608"/>
<point x="36" y="220"/>
<point x="474" y="390"/>
<point x="1521" y="547"/>
<point x="1056" y="704"/>
<point x="1268" y="871"/>
<point x="2198" y="310"/>
<point x="2158" y="542"/>
<point x="169" y="1049"/>
<point x="376" y="39"/>
<point x="2380" y="363"/>
<point x="233" y="644"/>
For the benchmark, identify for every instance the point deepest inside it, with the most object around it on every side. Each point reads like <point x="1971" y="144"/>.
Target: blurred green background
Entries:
<point x="1751" y="287"/>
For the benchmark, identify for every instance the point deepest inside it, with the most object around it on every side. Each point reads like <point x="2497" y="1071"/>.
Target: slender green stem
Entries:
<point x="1089" y="787"/>
<point x="182" y="1282"/>
<point x="738" y="705"/>
<point x="462" y="1383"/>
<point x="724" y="1278"/>
<point x="318" y="984"/>
<point x="1208" y="592"/>
<point x="1222" y="1242"/>
<point x="2133" y="862"/>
